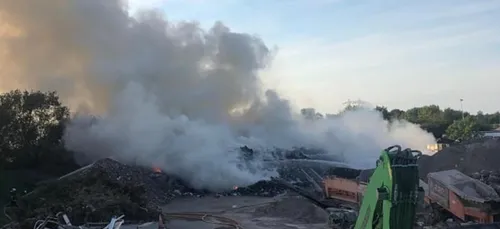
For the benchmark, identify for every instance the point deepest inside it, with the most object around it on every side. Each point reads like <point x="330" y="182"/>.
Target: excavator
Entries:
<point x="392" y="194"/>
<point x="391" y="198"/>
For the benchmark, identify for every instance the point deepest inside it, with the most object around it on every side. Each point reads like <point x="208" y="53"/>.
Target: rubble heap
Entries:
<point x="261" y="188"/>
<point x="108" y="188"/>
<point x="97" y="192"/>
<point x="491" y="178"/>
<point x="467" y="158"/>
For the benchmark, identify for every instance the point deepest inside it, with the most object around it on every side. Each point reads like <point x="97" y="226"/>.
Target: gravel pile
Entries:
<point x="467" y="158"/>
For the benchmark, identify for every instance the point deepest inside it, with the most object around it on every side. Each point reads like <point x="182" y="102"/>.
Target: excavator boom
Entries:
<point x="390" y="200"/>
<point x="391" y="196"/>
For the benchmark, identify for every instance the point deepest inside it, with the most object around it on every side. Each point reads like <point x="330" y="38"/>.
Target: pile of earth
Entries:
<point x="491" y="178"/>
<point x="96" y="193"/>
<point x="261" y="188"/>
<point x="466" y="157"/>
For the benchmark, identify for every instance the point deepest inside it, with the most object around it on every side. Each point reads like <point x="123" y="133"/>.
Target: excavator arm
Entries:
<point x="391" y="196"/>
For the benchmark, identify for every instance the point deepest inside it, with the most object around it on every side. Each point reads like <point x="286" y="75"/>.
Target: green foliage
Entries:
<point x="431" y="118"/>
<point x="464" y="129"/>
<point x="31" y="129"/>
<point x="311" y="114"/>
<point x="438" y="121"/>
<point x="385" y="113"/>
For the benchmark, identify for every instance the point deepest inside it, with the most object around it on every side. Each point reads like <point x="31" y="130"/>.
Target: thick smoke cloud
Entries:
<point x="170" y="95"/>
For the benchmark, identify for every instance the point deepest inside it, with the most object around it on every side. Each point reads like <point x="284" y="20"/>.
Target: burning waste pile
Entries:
<point x="95" y="193"/>
<point x="172" y="93"/>
<point x="107" y="188"/>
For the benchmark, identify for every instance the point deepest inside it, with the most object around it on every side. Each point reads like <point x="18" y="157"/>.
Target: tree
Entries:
<point x="451" y="115"/>
<point x="463" y="129"/>
<point x="436" y="121"/>
<point x="430" y="118"/>
<point x="396" y="114"/>
<point x="31" y="128"/>
<point x="311" y="114"/>
<point x="385" y="113"/>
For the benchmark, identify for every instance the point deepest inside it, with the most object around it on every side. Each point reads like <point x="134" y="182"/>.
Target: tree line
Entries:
<point x="442" y="123"/>
<point x="454" y="124"/>
<point x="32" y="128"/>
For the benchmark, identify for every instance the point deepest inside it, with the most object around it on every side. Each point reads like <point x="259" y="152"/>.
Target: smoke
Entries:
<point x="170" y="94"/>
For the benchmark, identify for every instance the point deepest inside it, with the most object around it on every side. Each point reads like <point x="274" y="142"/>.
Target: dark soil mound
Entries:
<point x="96" y="193"/>
<point x="467" y="158"/>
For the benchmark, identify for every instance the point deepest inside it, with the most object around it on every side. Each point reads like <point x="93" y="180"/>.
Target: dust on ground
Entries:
<point x="293" y="206"/>
<point x="281" y="212"/>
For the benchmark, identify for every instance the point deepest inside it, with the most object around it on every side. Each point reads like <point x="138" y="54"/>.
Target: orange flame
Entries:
<point x="156" y="170"/>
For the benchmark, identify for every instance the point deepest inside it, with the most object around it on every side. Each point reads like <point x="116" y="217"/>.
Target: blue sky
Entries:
<point x="397" y="53"/>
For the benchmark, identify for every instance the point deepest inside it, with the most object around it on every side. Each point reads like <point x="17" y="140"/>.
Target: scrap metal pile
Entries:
<point x="491" y="178"/>
<point x="96" y="193"/>
<point x="467" y="158"/>
<point x="107" y="188"/>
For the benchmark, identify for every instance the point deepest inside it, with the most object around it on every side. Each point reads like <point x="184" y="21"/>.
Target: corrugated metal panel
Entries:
<point x="343" y="189"/>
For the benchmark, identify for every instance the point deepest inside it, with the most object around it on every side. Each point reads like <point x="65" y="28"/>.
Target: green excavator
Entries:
<point x="392" y="194"/>
<point x="391" y="198"/>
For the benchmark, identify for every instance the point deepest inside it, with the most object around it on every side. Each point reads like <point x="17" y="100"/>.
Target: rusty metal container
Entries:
<point x="342" y="189"/>
<point x="438" y="192"/>
<point x="466" y="198"/>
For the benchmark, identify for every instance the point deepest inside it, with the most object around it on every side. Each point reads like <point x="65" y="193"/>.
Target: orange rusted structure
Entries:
<point x="342" y="189"/>
<point x="347" y="189"/>
<point x="466" y="198"/>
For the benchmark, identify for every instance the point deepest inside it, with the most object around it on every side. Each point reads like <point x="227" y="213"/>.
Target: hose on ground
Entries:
<point x="205" y="217"/>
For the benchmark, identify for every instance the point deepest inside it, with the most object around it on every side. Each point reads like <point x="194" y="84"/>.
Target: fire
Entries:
<point x="156" y="170"/>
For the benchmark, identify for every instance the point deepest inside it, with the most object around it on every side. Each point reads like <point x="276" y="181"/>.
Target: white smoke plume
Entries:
<point x="170" y="94"/>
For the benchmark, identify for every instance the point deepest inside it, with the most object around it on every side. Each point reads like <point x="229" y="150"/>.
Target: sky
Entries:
<point x="395" y="53"/>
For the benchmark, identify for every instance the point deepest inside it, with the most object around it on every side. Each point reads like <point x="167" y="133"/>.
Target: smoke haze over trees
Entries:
<point x="32" y="124"/>
<point x="172" y="95"/>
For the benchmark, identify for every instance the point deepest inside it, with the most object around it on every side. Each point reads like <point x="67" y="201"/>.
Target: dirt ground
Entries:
<point x="282" y="212"/>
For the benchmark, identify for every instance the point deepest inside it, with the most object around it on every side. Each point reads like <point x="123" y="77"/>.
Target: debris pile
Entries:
<point x="467" y="158"/>
<point x="107" y="188"/>
<point x="283" y="154"/>
<point x="261" y="188"/>
<point x="97" y="192"/>
<point x="491" y="178"/>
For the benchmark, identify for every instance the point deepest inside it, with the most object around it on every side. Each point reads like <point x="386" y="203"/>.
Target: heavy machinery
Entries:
<point x="392" y="194"/>
<point x="387" y="199"/>
<point x="465" y="198"/>
<point x="390" y="199"/>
